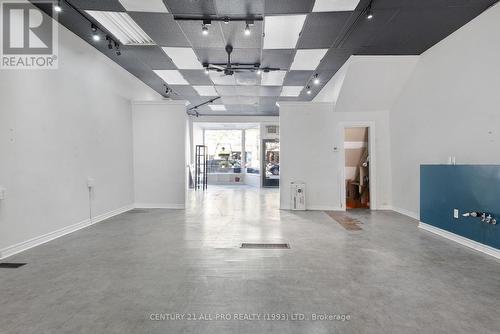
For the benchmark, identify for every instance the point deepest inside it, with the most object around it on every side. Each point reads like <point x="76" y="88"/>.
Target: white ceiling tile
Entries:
<point x="171" y="77"/>
<point x="335" y="5"/>
<point x="291" y="90"/>
<point x="282" y="32"/>
<point x="183" y="58"/>
<point x="274" y="78"/>
<point x="122" y="26"/>
<point x="217" y="107"/>
<point x="307" y="59"/>
<point x="153" y="6"/>
<point x="206" y="90"/>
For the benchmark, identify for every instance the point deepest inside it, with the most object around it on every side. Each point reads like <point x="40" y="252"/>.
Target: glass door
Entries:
<point x="271" y="163"/>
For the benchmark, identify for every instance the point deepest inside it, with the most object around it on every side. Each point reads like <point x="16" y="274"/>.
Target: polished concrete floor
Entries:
<point x="135" y="272"/>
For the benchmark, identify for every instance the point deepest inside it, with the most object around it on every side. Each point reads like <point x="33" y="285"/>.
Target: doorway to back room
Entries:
<point x="357" y="167"/>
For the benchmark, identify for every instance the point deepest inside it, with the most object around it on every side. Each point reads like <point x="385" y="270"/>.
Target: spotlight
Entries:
<point x="118" y="51"/>
<point x="369" y="14"/>
<point x="259" y="72"/>
<point x="226" y="20"/>
<point x="110" y="42"/>
<point x="57" y="7"/>
<point x="247" y="30"/>
<point x="316" y="79"/>
<point x="308" y="90"/>
<point x="206" y="70"/>
<point x="204" y="26"/>
<point x="95" y="35"/>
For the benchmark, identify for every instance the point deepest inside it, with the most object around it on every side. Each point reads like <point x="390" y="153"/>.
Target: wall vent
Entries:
<point x="272" y="129"/>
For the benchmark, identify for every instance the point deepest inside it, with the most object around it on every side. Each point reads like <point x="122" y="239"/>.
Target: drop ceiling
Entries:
<point x="303" y="38"/>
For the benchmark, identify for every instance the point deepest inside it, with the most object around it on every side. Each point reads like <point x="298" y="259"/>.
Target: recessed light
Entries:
<point x="122" y="27"/>
<point x="335" y="5"/>
<point x="291" y="91"/>
<point x="183" y="58"/>
<point x="171" y="77"/>
<point x="282" y="32"/>
<point x="307" y="59"/>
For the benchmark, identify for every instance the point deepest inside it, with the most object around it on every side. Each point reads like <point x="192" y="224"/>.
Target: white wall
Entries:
<point x="309" y="132"/>
<point x="58" y="127"/>
<point x="159" y="131"/>
<point x="449" y="107"/>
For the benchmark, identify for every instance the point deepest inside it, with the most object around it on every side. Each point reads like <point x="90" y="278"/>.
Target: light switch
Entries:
<point x="455" y="213"/>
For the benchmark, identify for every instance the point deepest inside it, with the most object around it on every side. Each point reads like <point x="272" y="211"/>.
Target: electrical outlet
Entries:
<point x="455" y="213"/>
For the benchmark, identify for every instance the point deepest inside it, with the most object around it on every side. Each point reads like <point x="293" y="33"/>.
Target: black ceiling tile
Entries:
<point x="278" y="58"/>
<point x="184" y="90"/>
<point x="239" y="7"/>
<point x="104" y="5"/>
<point x="288" y="6"/>
<point x="219" y="55"/>
<point x="151" y="55"/>
<point x="192" y="30"/>
<point x="161" y="28"/>
<point x="196" y="77"/>
<point x="417" y="30"/>
<point x="191" y="7"/>
<point x="233" y="33"/>
<point x="428" y="4"/>
<point x="297" y="78"/>
<point x="269" y="91"/>
<point x="365" y="31"/>
<point x="334" y="59"/>
<point x="321" y="30"/>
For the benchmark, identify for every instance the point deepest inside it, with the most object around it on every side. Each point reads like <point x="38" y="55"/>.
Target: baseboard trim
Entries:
<point x="33" y="242"/>
<point x="159" y="206"/>
<point x="405" y="212"/>
<point x="461" y="240"/>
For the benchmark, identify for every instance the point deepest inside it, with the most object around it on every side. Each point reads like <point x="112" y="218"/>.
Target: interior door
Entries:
<point x="271" y="163"/>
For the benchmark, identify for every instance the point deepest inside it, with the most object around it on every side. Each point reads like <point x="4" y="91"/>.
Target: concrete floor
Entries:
<point x="113" y="277"/>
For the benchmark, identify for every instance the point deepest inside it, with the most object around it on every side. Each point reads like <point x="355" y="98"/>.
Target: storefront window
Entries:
<point x="224" y="151"/>
<point x="252" y="150"/>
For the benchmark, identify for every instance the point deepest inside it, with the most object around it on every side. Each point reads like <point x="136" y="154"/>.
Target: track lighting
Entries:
<point x="204" y="26"/>
<point x="57" y="7"/>
<point x="259" y="72"/>
<point x="168" y="90"/>
<point x="316" y="80"/>
<point x="369" y="12"/>
<point x="247" y="30"/>
<point x="308" y="90"/>
<point x="110" y="42"/>
<point x="206" y="70"/>
<point x="118" y="51"/>
<point x="95" y="35"/>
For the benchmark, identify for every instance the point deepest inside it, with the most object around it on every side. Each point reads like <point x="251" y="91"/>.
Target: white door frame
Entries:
<point x="371" y="152"/>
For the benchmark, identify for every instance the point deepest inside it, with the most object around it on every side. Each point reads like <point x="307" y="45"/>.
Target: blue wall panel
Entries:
<point x="466" y="188"/>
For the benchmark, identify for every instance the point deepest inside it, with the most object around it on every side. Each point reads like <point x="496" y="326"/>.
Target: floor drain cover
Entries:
<point x="11" y="265"/>
<point x="265" y="246"/>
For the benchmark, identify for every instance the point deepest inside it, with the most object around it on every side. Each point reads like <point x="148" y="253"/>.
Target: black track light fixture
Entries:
<point x="118" y="51"/>
<point x="95" y="33"/>
<point x="57" y="6"/>
<point x="308" y="90"/>
<point x="369" y="11"/>
<point x="204" y="26"/>
<point x="316" y="80"/>
<point x="110" y="42"/>
<point x="247" y="31"/>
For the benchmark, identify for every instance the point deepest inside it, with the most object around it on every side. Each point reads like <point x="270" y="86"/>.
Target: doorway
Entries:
<point x="357" y="167"/>
<point x="270" y="163"/>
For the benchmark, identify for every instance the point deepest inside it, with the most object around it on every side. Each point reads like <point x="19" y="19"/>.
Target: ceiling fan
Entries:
<point x="231" y="68"/>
